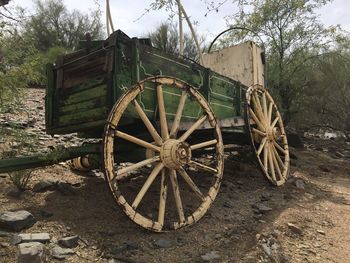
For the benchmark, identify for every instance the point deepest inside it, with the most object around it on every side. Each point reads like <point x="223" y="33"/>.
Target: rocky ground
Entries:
<point x="74" y="217"/>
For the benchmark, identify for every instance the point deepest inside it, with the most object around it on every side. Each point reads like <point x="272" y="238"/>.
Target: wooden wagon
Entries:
<point x="162" y="122"/>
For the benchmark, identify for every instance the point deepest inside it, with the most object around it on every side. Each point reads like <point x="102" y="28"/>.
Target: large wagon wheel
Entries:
<point x="144" y="195"/>
<point x="267" y="135"/>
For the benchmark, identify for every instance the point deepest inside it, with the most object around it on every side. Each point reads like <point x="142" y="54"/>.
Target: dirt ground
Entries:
<point x="306" y="220"/>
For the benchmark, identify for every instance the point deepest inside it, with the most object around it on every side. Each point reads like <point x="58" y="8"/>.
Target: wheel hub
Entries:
<point x="272" y="134"/>
<point x="175" y="153"/>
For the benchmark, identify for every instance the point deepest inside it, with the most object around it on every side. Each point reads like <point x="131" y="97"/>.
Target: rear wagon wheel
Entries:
<point x="267" y="135"/>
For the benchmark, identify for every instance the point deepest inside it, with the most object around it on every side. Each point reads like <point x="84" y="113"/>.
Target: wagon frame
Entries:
<point x="161" y="122"/>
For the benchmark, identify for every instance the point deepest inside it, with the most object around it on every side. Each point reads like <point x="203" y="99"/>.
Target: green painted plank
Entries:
<point x="49" y="98"/>
<point x="83" y="117"/>
<point x="84" y="95"/>
<point x="87" y="126"/>
<point x="93" y="103"/>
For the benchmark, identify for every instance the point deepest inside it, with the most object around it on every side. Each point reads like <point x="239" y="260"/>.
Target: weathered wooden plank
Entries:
<point x="83" y="106"/>
<point x="49" y="98"/>
<point x="97" y="125"/>
<point x="84" y="95"/>
<point x="83" y="117"/>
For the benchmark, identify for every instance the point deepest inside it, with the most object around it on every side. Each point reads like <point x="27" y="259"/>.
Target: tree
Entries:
<point x="292" y="35"/>
<point x="326" y="100"/>
<point x="4" y="2"/>
<point x="166" y="38"/>
<point x="54" y="25"/>
<point x="29" y="42"/>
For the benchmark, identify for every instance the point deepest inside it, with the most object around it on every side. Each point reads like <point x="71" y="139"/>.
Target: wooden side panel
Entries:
<point x="80" y="105"/>
<point x="154" y="62"/>
<point x="242" y="63"/>
<point x="224" y="96"/>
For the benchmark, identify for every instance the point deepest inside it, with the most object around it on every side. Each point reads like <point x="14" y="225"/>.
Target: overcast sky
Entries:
<point x="125" y="14"/>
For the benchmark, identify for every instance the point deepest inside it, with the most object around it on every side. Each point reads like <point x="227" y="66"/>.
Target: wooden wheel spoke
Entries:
<point x="266" y="156"/>
<point x="178" y="115"/>
<point x="257" y="121"/>
<point x="203" y="167"/>
<point x="261" y="146"/>
<point x="278" y="157"/>
<point x="123" y="173"/>
<point x="275" y="122"/>
<point x="272" y="167"/>
<point x="195" y="126"/>
<point x="147" y="184"/>
<point x="190" y="182"/>
<point x="176" y="191"/>
<point x="279" y="147"/>
<point x="147" y="123"/>
<point x="162" y="197"/>
<point x="162" y="113"/>
<point x="257" y="107"/>
<point x="203" y="144"/>
<point x="275" y="162"/>
<point x="137" y="141"/>
<point x="270" y="113"/>
<point x="265" y="106"/>
<point x="259" y="132"/>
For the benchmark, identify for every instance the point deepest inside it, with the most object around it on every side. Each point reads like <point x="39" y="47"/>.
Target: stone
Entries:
<point x="66" y="188"/>
<point x="321" y="232"/>
<point x="33" y="252"/>
<point x="227" y="204"/>
<point x="16" y="221"/>
<point x="162" y="243"/>
<point x="5" y="234"/>
<point x="265" y="197"/>
<point x="239" y="182"/>
<point x="3" y="175"/>
<point x="276" y="233"/>
<point x="125" y="246"/>
<point x="13" y="191"/>
<point x="299" y="183"/>
<point x="69" y="242"/>
<point x="324" y="168"/>
<point x="35" y="237"/>
<point x="45" y="214"/>
<point x="16" y="240"/>
<point x="261" y="208"/>
<point x="4" y="244"/>
<point x="44" y="185"/>
<point x="295" y="229"/>
<point x="266" y="249"/>
<point x="339" y="154"/>
<point x="210" y="256"/>
<point x="61" y="253"/>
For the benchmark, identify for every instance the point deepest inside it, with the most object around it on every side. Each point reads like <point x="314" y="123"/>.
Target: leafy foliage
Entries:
<point x="166" y="38"/>
<point x="292" y="35"/>
<point x="29" y="42"/>
<point x="326" y="99"/>
<point x="54" y="25"/>
<point x="20" y="179"/>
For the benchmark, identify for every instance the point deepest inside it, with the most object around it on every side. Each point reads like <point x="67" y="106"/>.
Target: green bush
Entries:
<point x="20" y="179"/>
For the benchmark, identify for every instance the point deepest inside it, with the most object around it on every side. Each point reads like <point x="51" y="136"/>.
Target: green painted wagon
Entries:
<point x="162" y="122"/>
